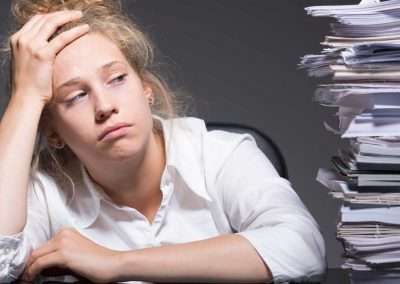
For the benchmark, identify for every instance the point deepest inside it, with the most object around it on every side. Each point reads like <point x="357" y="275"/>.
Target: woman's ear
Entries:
<point x="49" y="131"/>
<point x="147" y="91"/>
<point x="53" y="139"/>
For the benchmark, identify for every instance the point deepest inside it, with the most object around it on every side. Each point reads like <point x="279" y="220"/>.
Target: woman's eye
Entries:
<point x="120" y="78"/>
<point x="75" y="98"/>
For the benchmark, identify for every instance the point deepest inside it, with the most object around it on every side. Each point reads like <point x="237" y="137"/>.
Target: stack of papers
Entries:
<point x="362" y="59"/>
<point x="366" y="89"/>
<point x="370" y="21"/>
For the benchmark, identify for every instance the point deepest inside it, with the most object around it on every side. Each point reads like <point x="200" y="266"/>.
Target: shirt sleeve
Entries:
<point x="263" y="208"/>
<point x="15" y="249"/>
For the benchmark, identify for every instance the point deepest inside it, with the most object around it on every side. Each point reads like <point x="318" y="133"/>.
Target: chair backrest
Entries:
<point x="265" y="143"/>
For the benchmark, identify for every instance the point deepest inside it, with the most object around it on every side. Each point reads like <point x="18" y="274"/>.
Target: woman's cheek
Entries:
<point x="130" y="99"/>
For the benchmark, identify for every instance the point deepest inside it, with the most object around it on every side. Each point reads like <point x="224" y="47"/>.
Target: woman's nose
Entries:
<point x="105" y="108"/>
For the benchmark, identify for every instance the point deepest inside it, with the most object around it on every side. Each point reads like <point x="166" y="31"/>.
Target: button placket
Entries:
<point x="147" y="229"/>
<point x="168" y="191"/>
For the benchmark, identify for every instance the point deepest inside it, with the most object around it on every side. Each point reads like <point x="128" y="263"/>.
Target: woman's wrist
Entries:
<point x="125" y="266"/>
<point x="23" y="98"/>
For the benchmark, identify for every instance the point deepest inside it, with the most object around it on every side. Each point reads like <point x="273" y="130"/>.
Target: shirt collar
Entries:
<point x="183" y="139"/>
<point x="184" y="151"/>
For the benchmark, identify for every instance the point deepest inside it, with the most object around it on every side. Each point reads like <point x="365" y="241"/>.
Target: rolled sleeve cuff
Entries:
<point x="284" y="254"/>
<point x="12" y="257"/>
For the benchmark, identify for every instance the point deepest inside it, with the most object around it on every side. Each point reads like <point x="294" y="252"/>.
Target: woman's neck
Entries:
<point x="135" y="183"/>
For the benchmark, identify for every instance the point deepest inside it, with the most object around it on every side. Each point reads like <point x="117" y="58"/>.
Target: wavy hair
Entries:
<point x="104" y="17"/>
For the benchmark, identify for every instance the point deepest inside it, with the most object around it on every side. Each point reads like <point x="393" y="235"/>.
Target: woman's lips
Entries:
<point x="114" y="131"/>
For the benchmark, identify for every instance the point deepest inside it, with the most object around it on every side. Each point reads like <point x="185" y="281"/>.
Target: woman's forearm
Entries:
<point x="222" y="259"/>
<point x="18" y="128"/>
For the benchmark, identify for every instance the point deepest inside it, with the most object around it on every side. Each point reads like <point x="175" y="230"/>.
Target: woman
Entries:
<point x="105" y="181"/>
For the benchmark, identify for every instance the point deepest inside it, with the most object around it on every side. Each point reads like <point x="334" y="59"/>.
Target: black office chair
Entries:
<point x="270" y="149"/>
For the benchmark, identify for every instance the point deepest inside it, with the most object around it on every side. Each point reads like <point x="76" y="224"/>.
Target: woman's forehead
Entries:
<point x="87" y="54"/>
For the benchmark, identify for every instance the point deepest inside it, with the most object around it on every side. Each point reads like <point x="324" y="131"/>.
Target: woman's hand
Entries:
<point x="33" y="55"/>
<point x="69" y="250"/>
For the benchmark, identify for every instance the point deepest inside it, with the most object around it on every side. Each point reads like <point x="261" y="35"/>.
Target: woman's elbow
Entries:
<point x="312" y="252"/>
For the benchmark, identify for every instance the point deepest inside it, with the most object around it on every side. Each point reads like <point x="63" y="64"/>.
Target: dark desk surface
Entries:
<point x="336" y="276"/>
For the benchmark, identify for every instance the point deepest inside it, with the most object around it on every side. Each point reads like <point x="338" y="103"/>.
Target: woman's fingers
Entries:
<point x="26" y="28"/>
<point x="43" y="28"/>
<point x="33" y="53"/>
<point x="31" y="35"/>
<point x="39" y="264"/>
<point x="30" y="24"/>
<point x="53" y="21"/>
<point x="60" y="41"/>
<point x="47" y="248"/>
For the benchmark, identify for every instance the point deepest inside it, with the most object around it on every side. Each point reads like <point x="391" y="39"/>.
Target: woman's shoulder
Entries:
<point x="41" y="186"/>
<point x="47" y="186"/>
<point x="199" y="127"/>
<point x="213" y="146"/>
<point x="40" y="179"/>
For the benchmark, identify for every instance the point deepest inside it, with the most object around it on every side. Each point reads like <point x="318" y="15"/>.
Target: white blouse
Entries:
<point x="214" y="182"/>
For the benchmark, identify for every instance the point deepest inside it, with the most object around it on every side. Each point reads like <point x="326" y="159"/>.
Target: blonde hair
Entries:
<point x="105" y="17"/>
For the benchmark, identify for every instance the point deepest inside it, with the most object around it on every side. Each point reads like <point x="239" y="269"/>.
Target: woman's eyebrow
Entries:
<point x="76" y="80"/>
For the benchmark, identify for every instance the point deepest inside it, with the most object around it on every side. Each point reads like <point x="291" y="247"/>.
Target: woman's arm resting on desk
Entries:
<point x="226" y="258"/>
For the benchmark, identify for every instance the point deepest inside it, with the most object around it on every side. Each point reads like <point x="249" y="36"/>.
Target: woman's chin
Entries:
<point x="123" y="150"/>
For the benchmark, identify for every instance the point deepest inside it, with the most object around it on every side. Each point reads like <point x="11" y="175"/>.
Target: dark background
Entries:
<point x="238" y="61"/>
